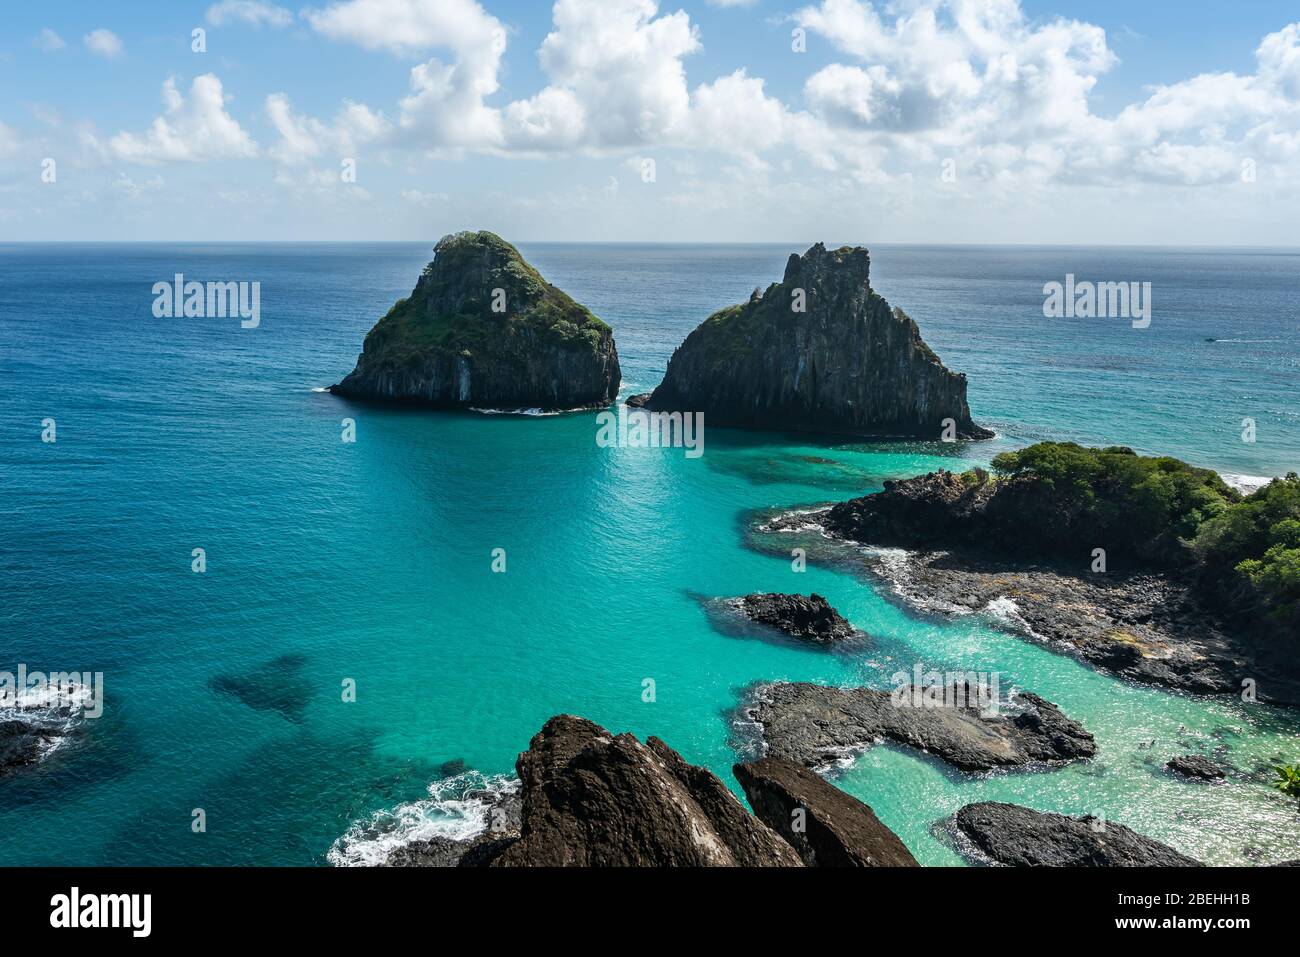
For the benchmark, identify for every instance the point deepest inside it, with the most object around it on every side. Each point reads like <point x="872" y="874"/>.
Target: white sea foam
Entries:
<point x="450" y="811"/>
<point x="780" y="522"/>
<point x="1245" y="483"/>
<point x="1005" y="610"/>
<point x="319" y="388"/>
<point x="530" y="412"/>
<point x="54" y="709"/>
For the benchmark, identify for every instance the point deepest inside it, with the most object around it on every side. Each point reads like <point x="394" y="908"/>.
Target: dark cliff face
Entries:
<point x="482" y="328"/>
<point x="847" y="363"/>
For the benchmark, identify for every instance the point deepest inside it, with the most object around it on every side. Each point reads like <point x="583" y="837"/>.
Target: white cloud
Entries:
<point x="303" y="138"/>
<point x="104" y="43"/>
<point x="1009" y="99"/>
<point x="409" y="26"/>
<point x="190" y="129"/>
<point x="48" y="40"/>
<point x="251" y="12"/>
<point x="733" y="114"/>
<point x="445" y="105"/>
<point x="1279" y="60"/>
<point x="616" y="76"/>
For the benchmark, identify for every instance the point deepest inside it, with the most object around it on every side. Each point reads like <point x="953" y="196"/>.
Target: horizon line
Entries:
<point x="641" y="242"/>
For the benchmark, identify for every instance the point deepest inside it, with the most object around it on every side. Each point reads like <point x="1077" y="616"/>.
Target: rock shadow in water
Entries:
<point x="278" y="685"/>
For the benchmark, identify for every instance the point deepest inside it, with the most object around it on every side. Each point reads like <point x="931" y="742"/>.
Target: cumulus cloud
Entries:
<point x="978" y="81"/>
<point x="191" y="128"/>
<point x="104" y="43"/>
<point x="912" y="84"/>
<point x="445" y="105"/>
<point x="303" y="138"/>
<point x="733" y="114"/>
<point x="409" y="26"/>
<point x="616" y="77"/>
<point x="252" y="12"/>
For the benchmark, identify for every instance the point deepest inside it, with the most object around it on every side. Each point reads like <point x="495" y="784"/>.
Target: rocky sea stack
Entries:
<point x="483" y="329"/>
<point x="820" y="351"/>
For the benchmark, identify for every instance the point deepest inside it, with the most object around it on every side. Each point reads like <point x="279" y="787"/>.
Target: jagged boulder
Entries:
<point x="1022" y="837"/>
<point x="826" y="826"/>
<point x="809" y="617"/>
<point x="483" y="329"/>
<point x="820" y="351"/>
<point x="594" y="799"/>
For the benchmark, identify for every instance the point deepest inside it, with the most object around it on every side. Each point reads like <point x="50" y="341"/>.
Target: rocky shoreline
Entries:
<point x="590" y="798"/>
<point x="1147" y="627"/>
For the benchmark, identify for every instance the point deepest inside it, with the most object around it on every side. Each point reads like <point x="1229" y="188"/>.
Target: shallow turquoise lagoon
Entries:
<point x="372" y="561"/>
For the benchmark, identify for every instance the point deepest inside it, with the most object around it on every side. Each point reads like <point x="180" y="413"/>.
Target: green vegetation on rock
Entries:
<point x="1149" y="505"/>
<point x="1252" y="550"/>
<point x="451" y="309"/>
<point x="1244" y="550"/>
<point x="483" y="328"/>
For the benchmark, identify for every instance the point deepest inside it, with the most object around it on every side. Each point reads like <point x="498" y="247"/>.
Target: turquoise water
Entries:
<point x="372" y="561"/>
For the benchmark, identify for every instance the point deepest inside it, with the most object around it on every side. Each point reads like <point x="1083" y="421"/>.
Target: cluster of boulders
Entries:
<point x="589" y="798"/>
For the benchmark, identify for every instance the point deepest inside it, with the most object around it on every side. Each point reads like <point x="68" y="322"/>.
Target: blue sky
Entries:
<point x="912" y="121"/>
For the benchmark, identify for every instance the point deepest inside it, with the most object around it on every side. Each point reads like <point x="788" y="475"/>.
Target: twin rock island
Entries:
<point x="820" y="351"/>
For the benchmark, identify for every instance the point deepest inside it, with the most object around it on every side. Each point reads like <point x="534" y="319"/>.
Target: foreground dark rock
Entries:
<point x="588" y="798"/>
<point x="1021" y="837"/>
<point x="809" y="617"/>
<point x="592" y="799"/>
<point x="846" y="363"/>
<point x="483" y="329"/>
<point x="815" y="725"/>
<point x="1196" y="766"/>
<point x="834" y="829"/>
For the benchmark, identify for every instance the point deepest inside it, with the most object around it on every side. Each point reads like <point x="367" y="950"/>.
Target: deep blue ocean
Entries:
<point x="370" y="562"/>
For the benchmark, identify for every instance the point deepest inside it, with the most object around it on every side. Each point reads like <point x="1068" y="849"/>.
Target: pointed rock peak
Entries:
<point x="818" y="266"/>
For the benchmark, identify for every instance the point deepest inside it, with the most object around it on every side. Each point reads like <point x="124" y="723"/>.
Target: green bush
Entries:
<point x="1251" y="551"/>
<point x="1149" y="506"/>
